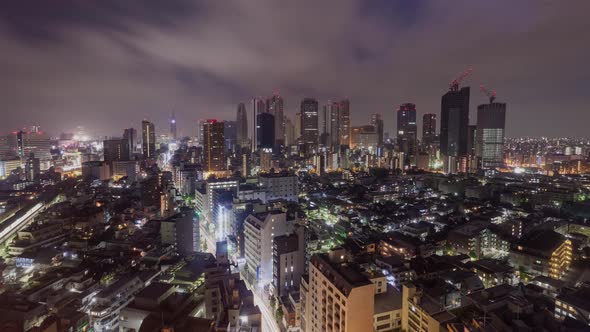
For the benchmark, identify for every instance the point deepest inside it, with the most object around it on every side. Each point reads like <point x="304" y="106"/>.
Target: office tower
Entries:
<point x="200" y="131"/>
<point x="407" y="132"/>
<point x="288" y="262"/>
<point x="230" y="135"/>
<point x="454" y="122"/>
<point x="364" y="137"/>
<point x="297" y="125"/>
<point x="258" y="107"/>
<point x="339" y="298"/>
<point x="130" y="135"/>
<point x="5" y="149"/>
<point x="489" y="147"/>
<point x="428" y="128"/>
<point x="32" y="141"/>
<point x="214" y="145"/>
<point x="377" y="122"/>
<point x="173" y="133"/>
<point x="289" y="132"/>
<point x="242" y="126"/>
<point x="344" y="128"/>
<point x="265" y="131"/>
<point x="309" y="123"/>
<point x="274" y="106"/>
<point x="32" y="168"/>
<point x="259" y="231"/>
<point x="472" y="163"/>
<point x="115" y="149"/>
<point x="148" y="139"/>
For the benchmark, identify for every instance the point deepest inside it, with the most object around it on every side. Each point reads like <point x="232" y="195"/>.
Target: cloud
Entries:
<point x="108" y="64"/>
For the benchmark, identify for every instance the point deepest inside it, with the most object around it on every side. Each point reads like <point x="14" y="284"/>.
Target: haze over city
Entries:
<point x="108" y="64"/>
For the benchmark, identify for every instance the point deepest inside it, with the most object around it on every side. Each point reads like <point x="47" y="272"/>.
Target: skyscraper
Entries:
<point x="428" y="128"/>
<point x="454" y="121"/>
<point x="489" y="141"/>
<point x="309" y="122"/>
<point x="173" y="133"/>
<point x="148" y="139"/>
<point x="265" y="123"/>
<point x="343" y="108"/>
<point x="130" y="134"/>
<point x="242" y="126"/>
<point x="289" y="132"/>
<point x="407" y="132"/>
<point x="258" y="106"/>
<point x="214" y="145"/>
<point x="230" y="135"/>
<point x="274" y="106"/>
<point x="115" y="149"/>
<point x="377" y="122"/>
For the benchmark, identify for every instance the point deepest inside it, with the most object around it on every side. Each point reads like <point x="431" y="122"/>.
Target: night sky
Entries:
<point x="106" y="64"/>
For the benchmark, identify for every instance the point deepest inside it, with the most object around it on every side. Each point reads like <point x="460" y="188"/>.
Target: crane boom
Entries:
<point x="454" y="85"/>
<point x="488" y="92"/>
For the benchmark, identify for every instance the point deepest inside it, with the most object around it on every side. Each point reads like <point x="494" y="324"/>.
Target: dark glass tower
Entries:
<point x="454" y="121"/>
<point x="265" y="130"/>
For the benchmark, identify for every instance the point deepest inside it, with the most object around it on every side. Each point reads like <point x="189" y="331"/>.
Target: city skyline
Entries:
<point x="109" y="73"/>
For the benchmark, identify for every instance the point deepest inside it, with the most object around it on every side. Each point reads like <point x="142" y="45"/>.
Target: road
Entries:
<point x="268" y="318"/>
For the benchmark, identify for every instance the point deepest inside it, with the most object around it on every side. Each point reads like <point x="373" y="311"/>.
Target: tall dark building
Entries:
<point x="489" y="140"/>
<point x="258" y="106"/>
<point x="265" y="128"/>
<point x="230" y="135"/>
<point x="173" y="133"/>
<point x="130" y="134"/>
<point x="407" y="130"/>
<point x="344" y="121"/>
<point x="242" y="126"/>
<point x="115" y="149"/>
<point x="454" y="121"/>
<point x="32" y="168"/>
<point x="274" y="106"/>
<point x="309" y="122"/>
<point x="148" y="139"/>
<point x="377" y="122"/>
<point x="428" y="128"/>
<point x="214" y="145"/>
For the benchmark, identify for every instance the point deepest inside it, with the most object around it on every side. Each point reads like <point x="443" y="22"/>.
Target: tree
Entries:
<point x="279" y="314"/>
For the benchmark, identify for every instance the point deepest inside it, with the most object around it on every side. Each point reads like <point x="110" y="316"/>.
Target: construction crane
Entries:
<point x="490" y="93"/>
<point x="454" y="86"/>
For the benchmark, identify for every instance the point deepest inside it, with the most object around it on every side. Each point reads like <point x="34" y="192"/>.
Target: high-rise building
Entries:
<point x="148" y="139"/>
<point x="288" y="262"/>
<point x="489" y="141"/>
<point x="428" y="128"/>
<point x="32" y="168"/>
<point x="344" y="121"/>
<point x="454" y="122"/>
<point x="242" y="126"/>
<point x="363" y="137"/>
<point x="274" y="106"/>
<point x="290" y="138"/>
<point x="377" y="122"/>
<point x="265" y="131"/>
<point x="309" y="123"/>
<point x="31" y="141"/>
<point x="259" y="231"/>
<point x="230" y="135"/>
<point x="115" y="149"/>
<point x="297" y="125"/>
<point x="173" y="133"/>
<point x="258" y="107"/>
<point x="130" y="135"/>
<point x="200" y="131"/>
<point x="339" y="297"/>
<point x="214" y="145"/>
<point x="407" y="132"/>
